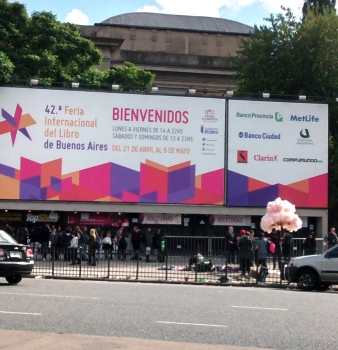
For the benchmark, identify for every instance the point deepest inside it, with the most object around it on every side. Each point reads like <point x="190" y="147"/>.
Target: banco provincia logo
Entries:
<point x="277" y="116"/>
<point x="18" y="122"/>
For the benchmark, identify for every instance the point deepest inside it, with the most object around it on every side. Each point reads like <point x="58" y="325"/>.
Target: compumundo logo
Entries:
<point x="18" y="122"/>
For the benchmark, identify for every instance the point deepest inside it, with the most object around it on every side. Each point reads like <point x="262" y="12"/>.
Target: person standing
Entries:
<point x="107" y="245"/>
<point x="261" y="248"/>
<point x="286" y="246"/>
<point x="53" y="242"/>
<point x="92" y="246"/>
<point x="45" y="232"/>
<point x="230" y="244"/>
<point x="330" y="239"/>
<point x="245" y="251"/>
<point x="149" y="242"/>
<point x="123" y="244"/>
<point x="34" y="236"/>
<point x="310" y="244"/>
<point x="276" y="255"/>
<point x="136" y="241"/>
<point x="74" y="244"/>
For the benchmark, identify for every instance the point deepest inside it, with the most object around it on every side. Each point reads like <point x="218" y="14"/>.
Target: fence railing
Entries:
<point x="178" y="262"/>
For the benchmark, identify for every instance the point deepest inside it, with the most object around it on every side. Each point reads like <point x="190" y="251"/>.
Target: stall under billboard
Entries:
<point x="111" y="147"/>
<point x="160" y="219"/>
<point x="277" y="149"/>
<point x="230" y="220"/>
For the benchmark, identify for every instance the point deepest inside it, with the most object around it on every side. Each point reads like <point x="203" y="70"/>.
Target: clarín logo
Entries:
<point x="19" y="122"/>
<point x="242" y="156"/>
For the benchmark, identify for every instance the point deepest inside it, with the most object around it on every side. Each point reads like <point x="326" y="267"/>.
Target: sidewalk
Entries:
<point x="18" y="340"/>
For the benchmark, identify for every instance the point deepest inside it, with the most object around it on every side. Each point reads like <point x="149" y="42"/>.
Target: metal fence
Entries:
<point x="178" y="262"/>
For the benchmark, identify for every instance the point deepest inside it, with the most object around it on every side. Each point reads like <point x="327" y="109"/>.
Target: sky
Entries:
<point x="88" y="12"/>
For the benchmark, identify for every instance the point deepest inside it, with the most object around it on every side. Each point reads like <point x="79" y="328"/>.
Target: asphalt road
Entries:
<point x="233" y="316"/>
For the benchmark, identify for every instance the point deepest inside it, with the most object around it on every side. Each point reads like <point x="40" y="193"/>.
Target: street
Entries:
<point x="233" y="316"/>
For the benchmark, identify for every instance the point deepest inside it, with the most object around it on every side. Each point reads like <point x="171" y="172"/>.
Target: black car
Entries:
<point x="15" y="259"/>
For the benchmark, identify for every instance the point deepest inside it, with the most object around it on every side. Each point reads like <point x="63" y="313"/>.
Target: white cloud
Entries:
<point x="211" y="8"/>
<point x="77" y="17"/>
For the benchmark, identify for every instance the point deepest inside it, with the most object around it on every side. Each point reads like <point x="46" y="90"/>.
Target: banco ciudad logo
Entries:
<point x="18" y="122"/>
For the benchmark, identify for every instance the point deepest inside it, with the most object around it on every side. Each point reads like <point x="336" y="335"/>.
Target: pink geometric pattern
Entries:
<point x="111" y="182"/>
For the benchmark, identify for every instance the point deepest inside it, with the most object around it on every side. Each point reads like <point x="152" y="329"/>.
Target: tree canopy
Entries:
<point x="288" y="57"/>
<point x="318" y="5"/>
<point x="39" y="46"/>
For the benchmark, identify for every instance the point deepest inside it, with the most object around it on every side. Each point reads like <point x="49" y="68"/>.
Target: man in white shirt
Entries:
<point x="74" y="244"/>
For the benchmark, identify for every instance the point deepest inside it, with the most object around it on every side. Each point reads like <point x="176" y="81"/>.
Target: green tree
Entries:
<point x="42" y="47"/>
<point x="6" y="68"/>
<point x="129" y="78"/>
<point x="318" y="6"/>
<point x="291" y="56"/>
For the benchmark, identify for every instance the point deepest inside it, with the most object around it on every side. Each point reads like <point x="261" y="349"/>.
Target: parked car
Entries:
<point x="314" y="271"/>
<point x="16" y="259"/>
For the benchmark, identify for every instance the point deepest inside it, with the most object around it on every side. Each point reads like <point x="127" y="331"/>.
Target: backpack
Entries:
<point x="271" y="247"/>
<point x="97" y="243"/>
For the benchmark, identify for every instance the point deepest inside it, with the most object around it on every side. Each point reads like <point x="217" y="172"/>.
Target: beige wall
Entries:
<point x="178" y="58"/>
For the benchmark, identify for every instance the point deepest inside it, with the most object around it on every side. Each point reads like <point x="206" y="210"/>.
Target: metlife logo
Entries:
<point x="276" y="116"/>
<point x="263" y="136"/>
<point x="304" y="118"/>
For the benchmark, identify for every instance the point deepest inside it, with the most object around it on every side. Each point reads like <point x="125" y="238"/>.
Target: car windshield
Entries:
<point x="6" y="238"/>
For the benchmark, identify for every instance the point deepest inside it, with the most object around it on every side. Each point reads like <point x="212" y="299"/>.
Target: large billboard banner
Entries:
<point x="277" y="149"/>
<point x="112" y="147"/>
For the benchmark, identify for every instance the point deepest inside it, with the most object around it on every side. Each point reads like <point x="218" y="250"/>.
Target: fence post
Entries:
<point x="166" y="258"/>
<point x="53" y="259"/>
<point x="137" y="262"/>
<point x="109" y="256"/>
<point x="80" y="260"/>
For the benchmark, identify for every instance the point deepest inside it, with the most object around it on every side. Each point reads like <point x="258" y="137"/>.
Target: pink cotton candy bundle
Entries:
<point x="280" y="213"/>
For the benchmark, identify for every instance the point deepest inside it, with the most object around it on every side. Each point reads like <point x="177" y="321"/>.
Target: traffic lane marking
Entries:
<point x="260" y="308"/>
<point x="52" y="296"/>
<point x="193" y="324"/>
<point x="21" y="313"/>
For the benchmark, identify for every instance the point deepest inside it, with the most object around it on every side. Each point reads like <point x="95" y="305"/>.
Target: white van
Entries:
<point x="314" y="271"/>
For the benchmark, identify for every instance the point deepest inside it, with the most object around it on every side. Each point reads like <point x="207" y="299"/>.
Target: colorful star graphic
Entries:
<point x="18" y="122"/>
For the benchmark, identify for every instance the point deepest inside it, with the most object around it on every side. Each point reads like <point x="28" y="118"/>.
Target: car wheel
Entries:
<point x="307" y="280"/>
<point x="14" y="279"/>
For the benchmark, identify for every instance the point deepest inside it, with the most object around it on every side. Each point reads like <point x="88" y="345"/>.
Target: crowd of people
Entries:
<point x="244" y="248"/>
<point x="93" y="243"/>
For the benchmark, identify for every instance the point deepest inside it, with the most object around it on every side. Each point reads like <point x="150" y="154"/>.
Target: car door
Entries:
<point x="329" y="266"/>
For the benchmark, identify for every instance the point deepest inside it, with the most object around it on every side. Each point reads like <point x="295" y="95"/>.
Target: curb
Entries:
<point x="193" y="283"/>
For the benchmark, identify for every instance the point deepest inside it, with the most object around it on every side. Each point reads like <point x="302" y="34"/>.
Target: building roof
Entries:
<point x="177" y="22"/>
